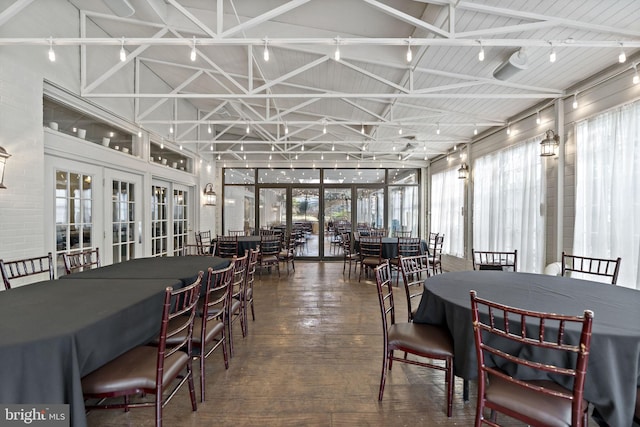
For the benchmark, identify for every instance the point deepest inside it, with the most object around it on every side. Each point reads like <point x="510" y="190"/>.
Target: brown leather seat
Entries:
<point x="425" y="341"/>
<point x="540" y="344"/>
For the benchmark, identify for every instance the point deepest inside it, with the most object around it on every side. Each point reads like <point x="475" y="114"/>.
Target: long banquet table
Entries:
<point x="613" y="371"/>
<point x="54" y="332"/>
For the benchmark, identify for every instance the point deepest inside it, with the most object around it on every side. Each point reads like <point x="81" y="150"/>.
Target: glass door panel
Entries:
<point x="273" y="208"/>
<point x="337" y="218"/>
<point x="370" y="208"/>
<point x="305" y="220"/>
<point x="403" y="210"/>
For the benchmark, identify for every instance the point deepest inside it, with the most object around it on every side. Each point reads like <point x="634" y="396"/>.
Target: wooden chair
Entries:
<point x="26" y="267"/>
<point x="191" y="250"/>
<point x="288" y="252"/>
<point x="414" y="269"/>
<point x="349" y="254"/>
<point x="81" y="260"/>
<point x="378" y="232"/>
<point x="237" y="296"/>
<point x="517" y="339"/>
<point x="435" y="253"/>
<point x="203" y="240"/>
<point x="593" y="266"/>
<point x="370" y="253"/>
<point x="151" y="370"/>
<point x="407" y="247"/>
<point x="422" y="340"/>
<point x="495" y="260"/>
<point x="227" y="246"/>
<point x="237" y="233"/>
<point x="252" y="264"/>
<point x="401" y="233"/>
<point x="269" y="253"/>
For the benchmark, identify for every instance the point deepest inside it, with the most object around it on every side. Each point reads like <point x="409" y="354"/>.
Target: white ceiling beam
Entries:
<point x="487" y="32"/>
<point x="119" y="65"/>
<point x="175" y="90"/>
<point x="407" y="18"/>
<point x="190" y="16"/>
<point x="294" y="109"/>
<point x="290" y="74"/>
<point x="361" y="108"/>
<point x="236" y="96"/>
<point x="267" y="16"/>
<point x="449" y="87"/>
<point x="13" y="10"/>
<point x="375" y="76"/>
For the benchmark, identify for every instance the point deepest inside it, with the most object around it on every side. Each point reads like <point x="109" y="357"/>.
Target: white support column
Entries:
<point x="559" y="113"/>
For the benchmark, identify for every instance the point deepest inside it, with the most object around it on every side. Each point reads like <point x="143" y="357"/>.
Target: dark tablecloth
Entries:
<point x="613" y="370"/>
<point x="52" y="333"/>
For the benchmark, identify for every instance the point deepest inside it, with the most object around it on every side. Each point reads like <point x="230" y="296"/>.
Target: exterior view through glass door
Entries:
<point x="125" y="213"/>
<point x="337" y="219"/>
<point x="305" y="220"/>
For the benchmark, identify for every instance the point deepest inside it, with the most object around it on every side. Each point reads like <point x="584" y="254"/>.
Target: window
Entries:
<point x="447" y="203"/>
<point x="180" y="220"/>
<point x="123" y="220"/>
<point x="507" y="198"/>
<point x="159" y="220"/>
<point x="607" y="222"/>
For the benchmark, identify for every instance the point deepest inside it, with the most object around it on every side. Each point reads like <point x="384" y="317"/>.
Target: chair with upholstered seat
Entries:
<point x="288" y="251"/>
<point x="495" y="260"/>
<point x="236" y="297"/>
<point x="26" y="267"/>
<point x="349" y="254"/>
<point x="227" y="246"/>
<point x="549" y="349"/>
<point x="81" y="260"/>
<point x="421" y="340"/>
<point x="250" y="278"/>
<point x="407" y="247"/>
<point x="591" y="266"/>
<point x="370" y="254"/>
<point x="436" y="243"/>
<point x="151" y="370"/>
<point x="414" y="269"/>
<point x="270" y="247"/>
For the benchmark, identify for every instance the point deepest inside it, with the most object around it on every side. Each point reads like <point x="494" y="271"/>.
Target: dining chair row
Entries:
<point x="533" y="401"/>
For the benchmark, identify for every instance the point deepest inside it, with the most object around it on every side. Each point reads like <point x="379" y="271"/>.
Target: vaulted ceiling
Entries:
<point x="305" y="104"/>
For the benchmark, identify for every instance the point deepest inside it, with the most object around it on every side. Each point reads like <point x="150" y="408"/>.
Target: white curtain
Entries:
<point x="607" y="223"/>
<point x="447" y="202"/>
<point x="508" y="195"/>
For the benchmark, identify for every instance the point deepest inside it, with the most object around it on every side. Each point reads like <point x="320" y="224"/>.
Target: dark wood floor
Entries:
<point x="312" y="358"/>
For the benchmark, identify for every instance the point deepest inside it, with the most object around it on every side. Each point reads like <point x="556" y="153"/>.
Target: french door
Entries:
<point x="125" y="217"/>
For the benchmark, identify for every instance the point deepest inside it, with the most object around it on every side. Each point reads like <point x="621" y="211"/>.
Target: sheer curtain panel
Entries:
<point x="508" y="197"/>
<point x="607" y="223"/>
<point x="447" y="203"/>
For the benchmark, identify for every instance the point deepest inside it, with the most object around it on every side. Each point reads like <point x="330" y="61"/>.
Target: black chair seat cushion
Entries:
<point x="549" y="410"/>
<point x="374" y="261"/>
<point x="496" y="267"/>
<point x="421" y="338"/>
<point x="235" y="305"/>
<point x="214" y="328"/>
<point x="133" y="370"/>
<point x="270" y="259"/>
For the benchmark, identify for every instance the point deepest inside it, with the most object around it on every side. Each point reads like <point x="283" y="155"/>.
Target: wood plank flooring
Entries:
<point x="312" y="358"/>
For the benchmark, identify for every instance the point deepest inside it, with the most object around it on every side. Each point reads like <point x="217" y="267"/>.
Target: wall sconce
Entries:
<point x="210" y="198"/>
<point x="3" y="160"/>
<point x="463" y="172"/>
<point x="549" y="145"/>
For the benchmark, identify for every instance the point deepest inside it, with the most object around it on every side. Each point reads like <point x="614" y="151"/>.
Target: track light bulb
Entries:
<point x="266" y="52"/>
<point x="622" y="57"/>
<point x="409" y="54"/>
<point x="552" y="56"/>
<point x="193" y="50"/>
<point x="575" y="101"/>
<point x="52" y="53"/>
<point x="481" y="54"/>
<point x="636" y="78"/>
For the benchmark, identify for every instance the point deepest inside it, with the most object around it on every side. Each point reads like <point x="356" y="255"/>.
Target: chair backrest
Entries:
<point x="378" y="232"/>
<point x="81" y="260"/>
<point x="270" y="245"/>
<point x="495" y="260"/>
<point x="593" y="266"/>
<point x="216" y="296"/>
<point x="176" y="330"/>
<point x="436" y="241"/>
<point x="227" y="246"/>
<point x="408" y="246"/>
<point x="401" y="233"/>
<point x="26" y="267"/>
<point x="547" y="344"/>
<point x="203" y="240"/>
<point x="345" y="239"/>
<point x="370" y="247"/>
<point x="191" y="250"/>
<point x="415" y="269"/>
<point x="237" y="289"/>
<point x="384" y="283"/>
<point x="250" y="276"/>
<point x="237" y="233"/>
<point x="268" y="232"/>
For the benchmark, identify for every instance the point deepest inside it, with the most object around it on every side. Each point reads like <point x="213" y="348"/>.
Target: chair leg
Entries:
<point x="465" y="390"/>
<point x="383" y="376"/>
<point x="450" y="381"/>
<point x="202" y="374"/>
<point x="192" y="390"/>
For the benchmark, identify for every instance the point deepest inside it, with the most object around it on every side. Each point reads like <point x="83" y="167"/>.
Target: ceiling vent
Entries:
<point x="518" y="61"/>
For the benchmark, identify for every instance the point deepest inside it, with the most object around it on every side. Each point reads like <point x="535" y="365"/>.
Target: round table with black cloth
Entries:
<point x="614" y="361"/>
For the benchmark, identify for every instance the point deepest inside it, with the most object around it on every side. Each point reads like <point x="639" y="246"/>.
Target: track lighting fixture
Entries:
<point x="52" y="53"/>
<point x="324" y="128"/>
<point x="636" y="77"/>
<point x="266" y="50"/>
<point x="193" y="50"/>
<point x="509" y="129"/>
<point x="481" y="53"/>
<point x="336" y="54"/>
<point x="209" y="130"/>
<point x="622" y="57"/>
<point x="575" y="101"/>
<point x="438" y="129"/>
<point x="123" y="53"/>
<point x="409" y="54"/>
<point x="552" y="55"/>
